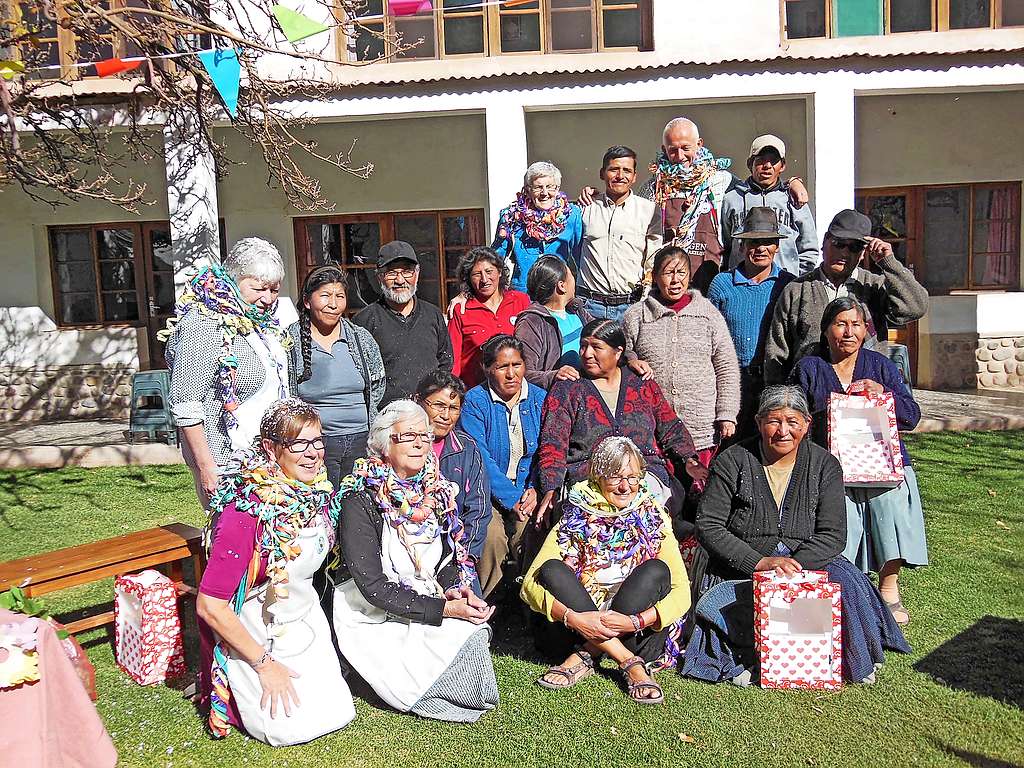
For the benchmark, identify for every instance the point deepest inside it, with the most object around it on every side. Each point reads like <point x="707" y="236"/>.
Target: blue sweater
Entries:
<point x="747" y="309"/>
<point x="816" y="376"/>
<point x="487" y="423"/>
<point x="461" y="463"/>
<point x="526" y="250"/>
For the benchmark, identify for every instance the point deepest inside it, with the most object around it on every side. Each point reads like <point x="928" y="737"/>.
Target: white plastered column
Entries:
<point x="506" y="156"/>
<point x="191" y="200"/>
<point x="834" y="131"/>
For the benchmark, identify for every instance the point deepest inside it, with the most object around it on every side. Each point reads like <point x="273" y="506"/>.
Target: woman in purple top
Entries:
<point x="268" y="665"/>
<point x="885" y="527"/>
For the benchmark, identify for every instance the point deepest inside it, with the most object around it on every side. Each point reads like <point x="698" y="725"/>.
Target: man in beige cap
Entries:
<point x="798" y="250"/>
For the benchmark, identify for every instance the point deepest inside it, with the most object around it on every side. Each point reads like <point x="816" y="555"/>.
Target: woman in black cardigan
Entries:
<point x="778" y="505"/>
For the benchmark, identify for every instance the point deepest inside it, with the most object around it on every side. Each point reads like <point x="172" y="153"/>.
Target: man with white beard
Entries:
<point x="411" y="334"/>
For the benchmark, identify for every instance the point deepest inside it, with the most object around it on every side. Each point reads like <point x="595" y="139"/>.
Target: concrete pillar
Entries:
<point x="191" y="199"/>
<point x="832" y="165"/>
<point x="506" y="156"/>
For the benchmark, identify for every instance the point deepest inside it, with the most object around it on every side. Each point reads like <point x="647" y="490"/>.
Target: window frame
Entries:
<point x="940" y="20"/>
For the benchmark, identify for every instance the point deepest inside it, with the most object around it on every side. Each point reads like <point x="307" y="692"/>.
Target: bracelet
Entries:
<point x="638" y="621"/>
<point x="565" y="617"/>
<point x="262" y="660"/>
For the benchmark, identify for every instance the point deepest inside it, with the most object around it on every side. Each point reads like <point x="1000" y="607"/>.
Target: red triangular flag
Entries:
<point x="409" y="7"/>
<point x="109" y="67"/>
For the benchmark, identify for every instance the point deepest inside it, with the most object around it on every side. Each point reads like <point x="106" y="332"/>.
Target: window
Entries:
<point x="955" y="237"/>
<point x="461" y="28"/>
<point x="94" y="270"/>
<point x="439" y="238"/>
<point x="849" y="18"/>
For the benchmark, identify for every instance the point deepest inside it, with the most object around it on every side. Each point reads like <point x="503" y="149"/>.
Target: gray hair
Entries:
<point x="539" y="169"/>
<point x="256" y="258"/>
<point x="610" y="454"/>
<point x="379" y="437"/>
<point x="779" y="396"/>
<point x="680" y="122"/>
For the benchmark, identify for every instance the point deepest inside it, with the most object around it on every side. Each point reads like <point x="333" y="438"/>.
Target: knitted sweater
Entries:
<point x="892" y="298"/>
<point x="747" y="309"/>
<point x="693" y="358"/>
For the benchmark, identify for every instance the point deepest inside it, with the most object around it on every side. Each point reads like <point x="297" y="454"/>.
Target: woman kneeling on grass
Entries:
<point x="611" y="571"/>
<point x="778" y="506"/>
<point x="268" y="663"/>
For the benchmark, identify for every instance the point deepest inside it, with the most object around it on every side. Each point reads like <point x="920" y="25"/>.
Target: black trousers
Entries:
<point x="649" y="582"/>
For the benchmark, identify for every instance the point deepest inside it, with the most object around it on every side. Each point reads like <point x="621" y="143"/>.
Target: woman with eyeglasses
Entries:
<point x="540" y="221"/>
<point x="611" y="572"/>
<point x="268" y="666"/>
<point x="336" y="367"/>
<point x="407" y="619"/>
<point x="441" y="395"/>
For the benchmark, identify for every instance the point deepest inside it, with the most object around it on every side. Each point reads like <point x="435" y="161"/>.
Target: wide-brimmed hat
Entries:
<point x="760" y="224"/>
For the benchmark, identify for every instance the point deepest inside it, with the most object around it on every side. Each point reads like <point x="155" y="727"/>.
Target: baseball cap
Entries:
<point x="848" y="224"/>
<point x="396" y="250"/>
<point x="764" y="142"/>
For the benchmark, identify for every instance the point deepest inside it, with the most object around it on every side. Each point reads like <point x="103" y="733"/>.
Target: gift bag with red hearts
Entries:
<point x="863" y="435"/>
<point x="798" y="630"/>
<point x="147" y="629"/>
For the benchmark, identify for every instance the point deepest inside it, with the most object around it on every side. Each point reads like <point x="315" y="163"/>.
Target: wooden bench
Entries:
<point x="168" y="545"/>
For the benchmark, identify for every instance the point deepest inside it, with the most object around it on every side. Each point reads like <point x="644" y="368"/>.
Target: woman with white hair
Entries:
<point x="541" y="221"/>
<point x="611" y="572"/>
<point x="226" y="353"/>
<point x="406" y="618"/>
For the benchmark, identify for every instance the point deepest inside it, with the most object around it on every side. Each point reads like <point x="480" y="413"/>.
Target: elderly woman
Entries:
<point x="407" y="620"/>
<point x="440" y="394"/>
<point x="885" y="527"/>
<point x="226" y="352"/>
<point x="778" y="506"/>
<point x="550" y="327"/>
<point x="491" y="309"/>
<point x="682" y="340"/>
<point x="609" y="399"/>
<point x="336" y="367"/>
<point x="611" y="572"/>
<point x="268" y="664"/>
<point x="503" y="416"/>
<point x="540" y="221"/>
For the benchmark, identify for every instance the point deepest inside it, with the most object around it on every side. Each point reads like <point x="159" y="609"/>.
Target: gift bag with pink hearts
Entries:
<point x="863" y="435"/>
<point x="798" y="630"/>
<point x="147" y="629"/>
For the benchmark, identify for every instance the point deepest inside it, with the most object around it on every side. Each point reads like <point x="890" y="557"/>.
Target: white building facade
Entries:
<point x="918" y="129"/>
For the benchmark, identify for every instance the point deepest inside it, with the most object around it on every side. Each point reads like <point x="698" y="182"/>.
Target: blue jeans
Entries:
<point x="603" y="311"/>
<point x="341" y="452"/>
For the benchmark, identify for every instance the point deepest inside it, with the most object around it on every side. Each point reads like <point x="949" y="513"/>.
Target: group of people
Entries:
<point x="619" y="375"/>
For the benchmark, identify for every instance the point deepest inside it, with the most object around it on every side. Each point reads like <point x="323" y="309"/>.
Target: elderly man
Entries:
<point x="411" y="334"/>
<point x="893" y="298"/>
<point x="688" y="186"/>
<point x="745" y="295"/>
<point x="621" y="232"/>
<point x="798" y="250"/>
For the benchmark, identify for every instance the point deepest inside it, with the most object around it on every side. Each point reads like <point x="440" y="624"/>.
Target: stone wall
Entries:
<point x="65" y="392"/>
<point x="952" y="364"/>
<point x="1000" y="362"/>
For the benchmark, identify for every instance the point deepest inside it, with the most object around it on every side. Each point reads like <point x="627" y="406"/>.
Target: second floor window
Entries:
<point x="850" y="18"/>
<point x="458" y="28"/>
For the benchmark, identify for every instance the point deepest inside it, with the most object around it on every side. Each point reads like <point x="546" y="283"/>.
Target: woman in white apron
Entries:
<point x="407" y="619"/>
<point x="268" y="663"/>
<point x="227" y="357"/>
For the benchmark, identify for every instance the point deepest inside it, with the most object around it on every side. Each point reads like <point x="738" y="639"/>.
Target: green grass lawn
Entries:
<point x="955" y="701"/>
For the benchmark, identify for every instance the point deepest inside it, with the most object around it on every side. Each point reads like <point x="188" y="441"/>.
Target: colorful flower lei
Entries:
<point x="541" y="225"/>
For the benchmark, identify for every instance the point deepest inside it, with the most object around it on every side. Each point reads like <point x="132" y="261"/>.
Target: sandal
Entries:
<point x="572" y="675"/>
<point x="897" y="607"/>
<point x="637" y="689"/>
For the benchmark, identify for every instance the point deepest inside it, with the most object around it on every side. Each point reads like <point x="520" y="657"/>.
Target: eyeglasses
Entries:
<point x="853" y="246"/>
<point x="442" y="408"/>
<point x="546" y="188"/>
<point x="412" y="437"/>
<point x="394" y="274"/>
<point x="301" y="446"/>
<point x="632" y="480"/>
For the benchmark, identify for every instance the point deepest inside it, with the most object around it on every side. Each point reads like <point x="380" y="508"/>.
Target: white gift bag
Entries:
<point x="147" y="629"/>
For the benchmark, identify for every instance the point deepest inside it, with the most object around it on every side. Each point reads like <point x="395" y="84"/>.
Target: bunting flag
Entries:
<point x="409" y="7"/>
<point x="8" y="69"/>
<point x="295" y="25"/>
<point x="109" y="67"/>
<point x="226" y="73"/>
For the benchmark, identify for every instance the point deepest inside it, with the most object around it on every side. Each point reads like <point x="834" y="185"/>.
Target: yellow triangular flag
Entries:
<point x="297" y="26"/>
<point x="8" y="69"/>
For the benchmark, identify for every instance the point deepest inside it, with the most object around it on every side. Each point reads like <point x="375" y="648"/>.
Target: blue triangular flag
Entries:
<point x="226" y="73"/>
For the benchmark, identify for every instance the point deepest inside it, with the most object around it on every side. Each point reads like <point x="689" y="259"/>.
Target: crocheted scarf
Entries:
<point x="418" y="508"/>
<point x="538" y="224"/>
<point x="593" y="535"/>
<point x="283" y="507"/>
<point x="690" y="181"/>
<point x="215" y="294"/>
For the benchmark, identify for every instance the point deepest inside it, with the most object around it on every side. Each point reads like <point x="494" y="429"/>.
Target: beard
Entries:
<point x="398" y="296"/>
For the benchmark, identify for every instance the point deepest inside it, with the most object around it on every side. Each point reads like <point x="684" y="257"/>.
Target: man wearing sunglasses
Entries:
<point x="855" y="264"/>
